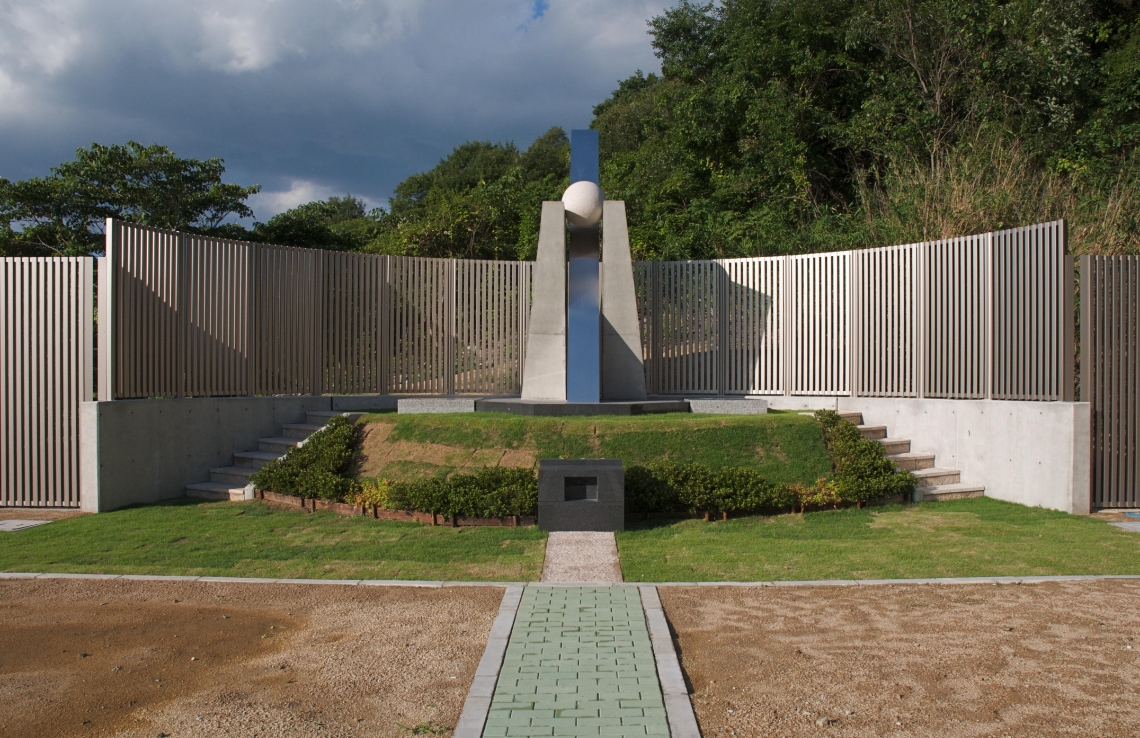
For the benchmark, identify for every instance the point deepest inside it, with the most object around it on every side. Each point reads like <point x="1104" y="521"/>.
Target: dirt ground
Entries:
<point x="379" y="457"/>
<point x="1056" y="659"/>
<point x="38" y="513"/>
<point x="187" y="659"/>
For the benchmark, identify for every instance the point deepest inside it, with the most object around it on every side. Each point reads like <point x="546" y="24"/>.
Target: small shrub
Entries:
<point x="316" y="467"/>
<point x="667" y="487"/>
<point x="862" y="470"/>
<point x="373" y="492"/>
<point x="823" y="493"/>
<point x="489" y="492"/>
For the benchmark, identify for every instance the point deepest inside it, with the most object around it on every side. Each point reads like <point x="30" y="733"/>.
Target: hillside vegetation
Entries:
<point x="784" y="448"/>
<point x="774" y="127"/>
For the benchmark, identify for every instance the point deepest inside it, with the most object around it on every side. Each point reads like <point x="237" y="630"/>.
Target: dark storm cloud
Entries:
<point x="308" y="99"/>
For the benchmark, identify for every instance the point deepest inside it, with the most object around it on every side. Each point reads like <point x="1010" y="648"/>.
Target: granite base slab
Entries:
<point x="407" y="405"/>
<point x="728" y="405"/>
<point x="564" y="409"/>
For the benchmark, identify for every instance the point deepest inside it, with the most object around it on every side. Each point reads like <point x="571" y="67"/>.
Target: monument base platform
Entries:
<point x="540" y="408"/>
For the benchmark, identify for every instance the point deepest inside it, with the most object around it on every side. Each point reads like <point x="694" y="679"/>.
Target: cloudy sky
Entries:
<point x="307" y="98"/>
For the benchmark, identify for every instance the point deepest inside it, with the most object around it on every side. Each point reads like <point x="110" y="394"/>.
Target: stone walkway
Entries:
<point x="581" y="558"/>
<point x="579" y="663"/>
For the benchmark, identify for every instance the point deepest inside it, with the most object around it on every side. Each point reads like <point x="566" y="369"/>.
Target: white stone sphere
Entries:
<point x="583" y="201"/>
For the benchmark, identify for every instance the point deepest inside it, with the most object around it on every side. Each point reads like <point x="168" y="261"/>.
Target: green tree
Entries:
<point x="783" y="126"/>
<point x="63" y="214"/>
<point x="481" y="202"/>
<point x="338" y="223"/>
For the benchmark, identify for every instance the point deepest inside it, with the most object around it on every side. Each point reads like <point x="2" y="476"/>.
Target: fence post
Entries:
<point x="853" y="344"/>
<point x="106" y="313"/>
<point x="181" y="314"/>
<point x="251" y="337"/>
<point x="721" y="326"/>
<point x="318" y="324"/>
<point x="1069" y="320"/>
<point x="449" y="329"/>
<point x="921" y="303"/>
<point x="988" y="321"/>
<point x="86" y="350"/>
<point x="786" y="324"/>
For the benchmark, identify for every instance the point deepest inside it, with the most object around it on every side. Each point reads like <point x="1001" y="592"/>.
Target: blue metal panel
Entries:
<point x="583" y="319"/>
<point x="584" y="156"/>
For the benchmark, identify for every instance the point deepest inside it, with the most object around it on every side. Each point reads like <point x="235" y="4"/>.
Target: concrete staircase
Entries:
<point x="934" y="482"/>
<point x="231" y="482"/>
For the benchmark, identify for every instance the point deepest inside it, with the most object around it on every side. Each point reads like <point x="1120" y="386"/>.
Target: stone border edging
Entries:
<point x="678" y="706"/>
<point x="478" y="702"/>
<point x="441" y="583"/>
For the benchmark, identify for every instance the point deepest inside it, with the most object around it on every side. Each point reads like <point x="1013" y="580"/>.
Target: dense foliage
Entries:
<point x="783" y="126"/>
<point x="316" y="468"/>
<point x="862" y="470"/>
<point x="489" y="492"/>
<point x="666" y="487"/>
<point x="775" y="126"/>
<point x="63" y="214"/>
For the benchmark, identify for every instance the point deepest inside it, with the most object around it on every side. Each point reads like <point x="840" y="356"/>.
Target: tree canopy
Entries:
<point x="63" y="214"/>
<point x="775" y="126"/>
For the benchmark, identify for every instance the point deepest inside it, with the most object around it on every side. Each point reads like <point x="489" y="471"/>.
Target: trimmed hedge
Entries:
<point x="490" y="492"/>
<point x="317" y="467"/>
<point x="862" y="470"/>
<point x="666" y="487"/>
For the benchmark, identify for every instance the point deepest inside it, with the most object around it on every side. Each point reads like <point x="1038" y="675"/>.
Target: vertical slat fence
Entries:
<point x="1110" y="375"/>
<point x="46" y="341"/>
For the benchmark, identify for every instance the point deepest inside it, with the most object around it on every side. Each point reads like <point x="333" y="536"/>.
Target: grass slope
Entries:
<point x="784" y="447"/>
<point x="250" y="539"/>
<point x="961" y="538"/>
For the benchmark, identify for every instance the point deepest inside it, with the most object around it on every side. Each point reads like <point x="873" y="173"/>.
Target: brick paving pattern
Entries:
<point x="579" y="663"/>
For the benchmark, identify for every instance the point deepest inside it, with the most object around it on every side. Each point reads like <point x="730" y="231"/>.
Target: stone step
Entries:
<point x="935" y="476"/>
<point x="895" y="445"/>
<point x="874" y="432"/>
<point x="320" y="417"/>
<point x="215" y="491"/>
<point x="255" y="459"/>
<point x="948" y="492"/>
<point x="233" y="476"/>
<point x="855" y="418"/>
<point x="278" y="444"/>
<point x="912" y="460"/>
<point x="299" y="430"/>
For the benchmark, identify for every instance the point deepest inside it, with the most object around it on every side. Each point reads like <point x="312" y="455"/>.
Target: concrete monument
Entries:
<point x="584" y="343"/>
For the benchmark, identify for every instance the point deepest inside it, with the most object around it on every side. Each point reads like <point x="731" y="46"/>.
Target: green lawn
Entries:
<point x="962" y="538"/>
<point x="981" y="537"/>
<point x="783" y="447"/>
<point x="249" y="539"/>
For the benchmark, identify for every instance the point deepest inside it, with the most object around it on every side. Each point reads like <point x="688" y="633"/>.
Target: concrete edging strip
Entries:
<point x="678" y="706"/>
<point x="478" y="702"/>
<point x="434" y="584"/>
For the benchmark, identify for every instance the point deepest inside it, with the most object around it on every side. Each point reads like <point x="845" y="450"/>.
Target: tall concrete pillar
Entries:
<point x="544" y="370"/>
<point x="623" y="370"/>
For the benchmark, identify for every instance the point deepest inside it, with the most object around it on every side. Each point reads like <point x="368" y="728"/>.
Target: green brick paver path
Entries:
<point x="579" y="662"/>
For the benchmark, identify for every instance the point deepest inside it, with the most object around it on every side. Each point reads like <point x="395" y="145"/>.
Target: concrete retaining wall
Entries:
<point x="141" y="451"/>
<point x="1033" y="453"/>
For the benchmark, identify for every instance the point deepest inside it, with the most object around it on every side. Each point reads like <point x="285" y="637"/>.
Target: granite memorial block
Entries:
<point x="581" y="495"/>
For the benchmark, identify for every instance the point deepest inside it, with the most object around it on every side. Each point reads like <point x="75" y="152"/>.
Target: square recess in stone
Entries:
<point x="8" y="526"/>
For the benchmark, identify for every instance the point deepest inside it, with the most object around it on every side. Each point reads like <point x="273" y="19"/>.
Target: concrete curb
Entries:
<point x="436" y="584"/>
<point x="678" y="707"/>
<point x="478" y="702"/>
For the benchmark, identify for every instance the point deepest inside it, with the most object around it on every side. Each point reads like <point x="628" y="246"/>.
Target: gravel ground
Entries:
<point x="1056" y="659"/>
<point x="581" y="557"/>
<point x="189" y="659"/>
